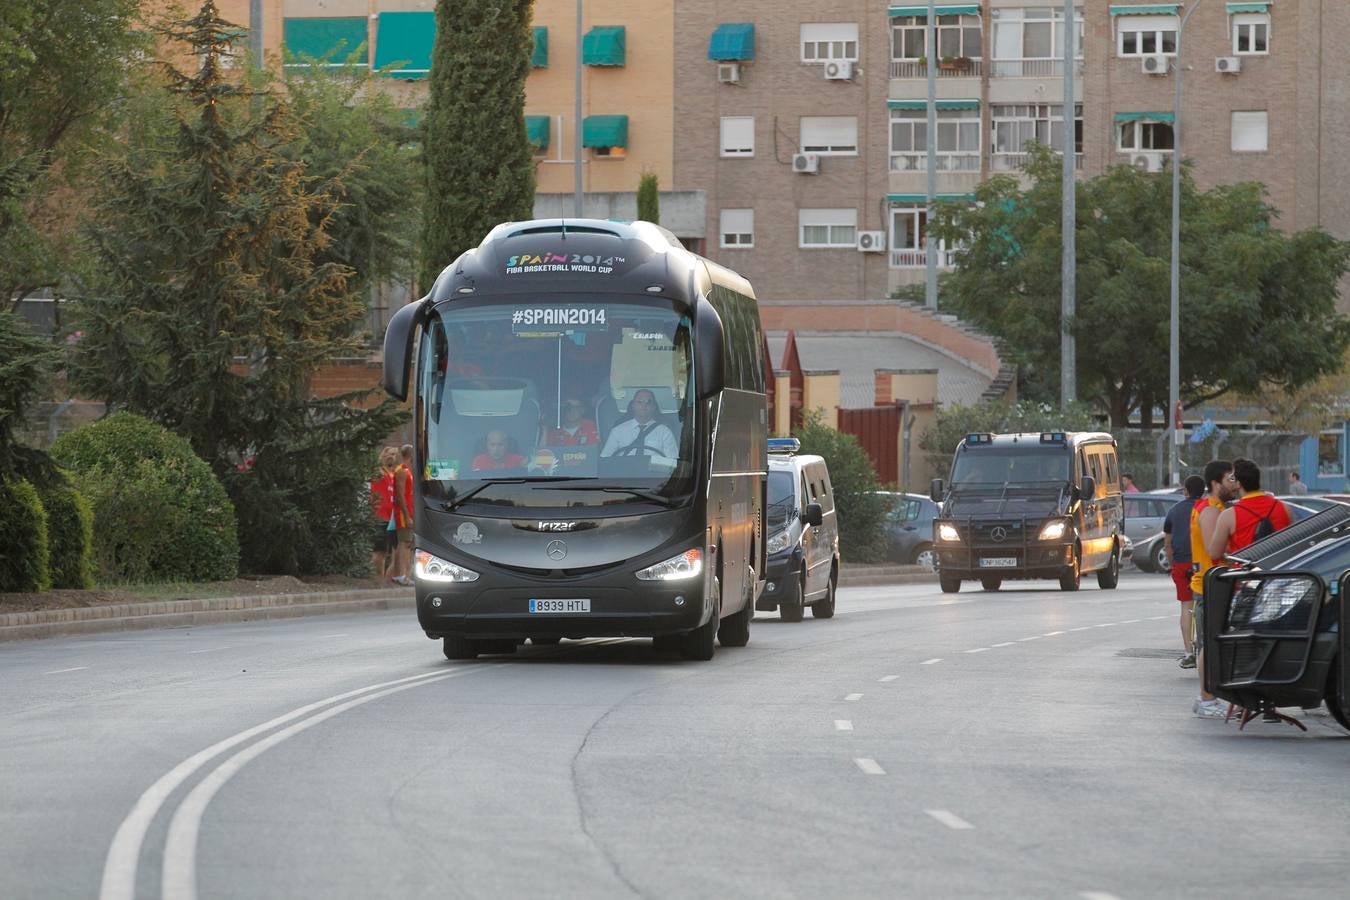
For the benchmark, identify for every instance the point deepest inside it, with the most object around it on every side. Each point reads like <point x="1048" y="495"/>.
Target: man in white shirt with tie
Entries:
<point x="642" y="435"/>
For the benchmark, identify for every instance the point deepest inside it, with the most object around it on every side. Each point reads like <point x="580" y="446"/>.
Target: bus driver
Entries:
<point x="641" y="434"/>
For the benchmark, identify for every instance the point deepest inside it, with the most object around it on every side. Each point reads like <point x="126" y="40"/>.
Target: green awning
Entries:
<point x="923" y="198"/>
<point x="1145" y="117"/>
<point x="1234" y="8"/>
<point x="603" y="46"/>
<point x="1147" y="9"/>
<point x="604" y="131"/>
<point x="943" y="9"/>
<point x="539" y="58"/>
<point x="732" y="41"/>
<point x="536" y="130"/>
<point x="329" y="40"/>
<point x="941" y="104"/>
<point x="404" y="40"/>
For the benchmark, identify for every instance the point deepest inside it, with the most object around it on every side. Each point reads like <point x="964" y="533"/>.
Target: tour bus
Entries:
<point x="1038" y="505"/>
<point x="591" y="440"/>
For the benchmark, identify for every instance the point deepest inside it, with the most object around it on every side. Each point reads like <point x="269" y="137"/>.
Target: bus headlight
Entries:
<point x="778" y="542"/>
<point x="948" y="533"/>
<point x="433" y="568"/>
<point x="1052" y="531"/>
<point x="686" y="565"/>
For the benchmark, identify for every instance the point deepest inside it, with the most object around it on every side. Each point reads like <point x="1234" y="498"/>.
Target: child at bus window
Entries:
<point x="497" y="455"/>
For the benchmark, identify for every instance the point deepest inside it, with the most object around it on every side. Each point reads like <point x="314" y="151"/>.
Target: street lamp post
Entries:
<point x="1174" y="350"/>
<point x="930" y="245"/>
<point x="1068" y="351"/>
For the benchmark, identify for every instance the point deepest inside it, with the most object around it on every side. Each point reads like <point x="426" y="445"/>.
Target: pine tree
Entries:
<point x="479" y="163"/>
<point x="649" y="199"/>
<point x="213" y="313"/>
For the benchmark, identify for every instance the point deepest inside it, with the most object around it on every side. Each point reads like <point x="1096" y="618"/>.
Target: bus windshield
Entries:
<point x="989" y="467"/>
<point x="592" y="397"/>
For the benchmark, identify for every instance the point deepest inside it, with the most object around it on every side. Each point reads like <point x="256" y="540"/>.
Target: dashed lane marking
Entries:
<point x="1005" y="644"/>
<point x="886" y="678"/>
<point x="929" y="662"/>
<point x="1051" y="633"/>
<point x="1081" y="628"/>
<point x="1034" y="637"/>
<point x="853" y="698"/>
<point x="869" y="766"/>
<point x="1131" y="621"/>
<point x="950" y="819"/>
<point x="1104" y="625"/>
<point x="210" y="649"/>
<point x="64" y="671"/>
<point x="843" y="725"/>
<point x="1097" y="895"/>
<point x="976" y="650"/>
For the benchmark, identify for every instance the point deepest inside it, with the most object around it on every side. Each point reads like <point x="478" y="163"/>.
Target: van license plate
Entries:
<point x="544" y="607"/>
<point x="998" y="562"/>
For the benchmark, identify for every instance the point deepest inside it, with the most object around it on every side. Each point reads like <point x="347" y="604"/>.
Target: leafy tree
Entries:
<point x="1258" y="305"/>
<point x="215" y="308"/>
<point x="859" y="508"/>
<point x="957" y="421"/>
<point x="25" y="362"/>
<point x="62" y="64"/>
<point x="479" y="163"/>
<point x="649" y="199"/>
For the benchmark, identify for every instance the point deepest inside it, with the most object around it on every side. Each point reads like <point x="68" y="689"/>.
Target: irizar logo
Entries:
<point x="556" y="526"/>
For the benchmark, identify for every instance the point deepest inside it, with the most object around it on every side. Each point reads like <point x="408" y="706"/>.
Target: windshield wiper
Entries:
<point x="641" y="494"/>
<point x="455" y="502"/>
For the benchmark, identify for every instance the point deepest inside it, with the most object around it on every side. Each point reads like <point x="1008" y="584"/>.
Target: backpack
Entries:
<point x="1264" y="526"/>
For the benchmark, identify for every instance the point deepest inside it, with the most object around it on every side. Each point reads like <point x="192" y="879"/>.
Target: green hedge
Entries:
<point x="160" y="514"/>
<point x="70" y="534"/>
<point x="24" y="553"/>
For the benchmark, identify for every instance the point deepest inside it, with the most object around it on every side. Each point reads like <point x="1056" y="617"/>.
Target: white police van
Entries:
<point x="803" y="544"/>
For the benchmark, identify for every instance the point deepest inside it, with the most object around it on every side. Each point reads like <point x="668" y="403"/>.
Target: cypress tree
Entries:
<point x="479" y="163"/>
<point x="649" y="199"/>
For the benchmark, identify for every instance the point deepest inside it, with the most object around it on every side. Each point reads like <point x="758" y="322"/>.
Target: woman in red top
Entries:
<point x="382" y="508"/>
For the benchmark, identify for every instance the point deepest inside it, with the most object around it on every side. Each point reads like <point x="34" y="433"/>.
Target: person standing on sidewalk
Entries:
<point x="1222" y="487"/>
<point x="1296" y="485"/>
<point x="403" y="516"/>
<point x="1177" y="545"/>
<point x="382" y="505"/>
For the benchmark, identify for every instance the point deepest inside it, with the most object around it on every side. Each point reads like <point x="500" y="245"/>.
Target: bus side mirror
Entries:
<point x="935" y="491"/>
<point x="398" y="349"/>
<point x="708" y="351"/>
<point x="813" y="515"/>
<point x="1089" y="489"/>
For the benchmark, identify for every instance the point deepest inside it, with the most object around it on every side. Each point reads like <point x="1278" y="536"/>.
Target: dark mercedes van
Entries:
<point x="1038" y="505"/>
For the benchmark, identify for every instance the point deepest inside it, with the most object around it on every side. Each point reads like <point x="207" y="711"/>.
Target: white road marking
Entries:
<point x="843" y="725"/>
<point x="1156" y="618"/>
<point x="929" y="662"/>
<point x="343" y="634"/>
<point x="869" y="766"/>
<point x="1098" y="895"/>
<point x="1034" y="637"/>
<point x="951" y="820"/>
<point x="1005" y="644"/>
<point x="1051" y="633"/>
<point x="63" y="671"/>
<point x="210" y="649"/>
<point x="853" y="698"/>
<point x="886" y="678"/>
<point x="1081" y="628"/>
<point x="1104" y="625"/>
<point x="976" y="650"/>
<point x="1131" y="621"/>
<point x="119" y="867"/>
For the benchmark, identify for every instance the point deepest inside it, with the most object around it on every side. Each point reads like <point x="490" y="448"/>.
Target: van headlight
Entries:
<point x="433" y="568"/>
<point x="686" y="565"/>
<point x="1053" y="531"/>
<point x="948" y="533"/>
<point x="778" y="541"/>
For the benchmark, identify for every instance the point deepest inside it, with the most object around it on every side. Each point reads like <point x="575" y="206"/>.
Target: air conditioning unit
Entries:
<point x="871" y="241"/>
<point x="1147" y="162"/>
<point x="839" y="70"/>
<point x="805" y="163"/>
<point x="729" y="73"/>
<point x="1228" y="65"/>
<point x="1155" y="64"/>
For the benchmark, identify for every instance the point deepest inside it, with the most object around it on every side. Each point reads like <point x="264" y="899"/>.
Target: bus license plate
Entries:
<point x="998" y="562"/>
<point x="545" y="607"/>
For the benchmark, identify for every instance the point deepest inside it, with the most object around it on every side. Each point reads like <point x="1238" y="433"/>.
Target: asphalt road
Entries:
<point x="1026" y="743"/>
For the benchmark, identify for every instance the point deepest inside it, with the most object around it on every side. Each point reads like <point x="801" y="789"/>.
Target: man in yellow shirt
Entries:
<point x="1204" y="518"/>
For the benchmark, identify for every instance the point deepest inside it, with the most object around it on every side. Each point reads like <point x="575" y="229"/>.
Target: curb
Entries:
<point x="202" y="611"/>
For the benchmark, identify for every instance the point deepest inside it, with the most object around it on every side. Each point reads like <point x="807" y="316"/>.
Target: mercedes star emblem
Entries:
<point x="998" y="533"/>
<point x="556" y="550"/>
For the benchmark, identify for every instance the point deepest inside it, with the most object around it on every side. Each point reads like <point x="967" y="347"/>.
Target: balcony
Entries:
<point x="1032" y="68"/>
<point x="946" y="162"/>
<point x="1011" y="162"/>
<point x="911" y="68"/>
<point x="918" y="259"/>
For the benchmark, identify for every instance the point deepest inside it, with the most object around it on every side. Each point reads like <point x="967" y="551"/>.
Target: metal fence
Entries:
<point x="1144" y="455"/>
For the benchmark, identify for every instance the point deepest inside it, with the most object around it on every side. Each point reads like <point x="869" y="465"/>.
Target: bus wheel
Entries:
<point x="698" y="644"/>
<point x="458" y="647"/>
<point x="950" y="584"/>
<point x="1069" y="580"/>
<point x="824" y="609"/>
<point x="735" y="629"/>
<point x="1108" y="578"/>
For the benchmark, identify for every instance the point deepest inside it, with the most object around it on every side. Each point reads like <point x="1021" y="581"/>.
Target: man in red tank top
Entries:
<point x="382" y="505"/>
<point x="1238" y="525"/>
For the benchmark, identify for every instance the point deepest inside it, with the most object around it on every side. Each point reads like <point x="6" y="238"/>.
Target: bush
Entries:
<point x="160" y="514"/>
<point x="70" y="534"/>
<point x="859" y="510"/>
<point x="24" y="554"/>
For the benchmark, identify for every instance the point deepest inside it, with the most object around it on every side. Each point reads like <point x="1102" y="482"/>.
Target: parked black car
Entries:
<point x="1272" y="619"/>
<point x="909" y="528"/>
